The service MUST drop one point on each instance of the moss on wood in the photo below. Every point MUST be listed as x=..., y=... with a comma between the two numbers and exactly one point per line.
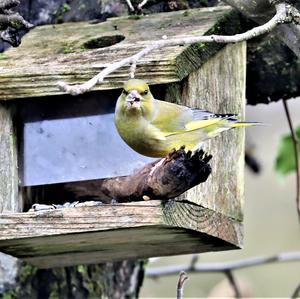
x=73, y=51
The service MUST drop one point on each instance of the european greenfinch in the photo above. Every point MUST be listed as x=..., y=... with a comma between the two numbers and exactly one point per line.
x=154, y=128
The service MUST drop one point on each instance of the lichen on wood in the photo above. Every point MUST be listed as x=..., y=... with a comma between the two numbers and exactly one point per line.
x=49, y=54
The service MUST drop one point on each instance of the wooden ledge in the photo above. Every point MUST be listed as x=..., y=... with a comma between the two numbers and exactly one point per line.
x=113, y=232
x=70, y=51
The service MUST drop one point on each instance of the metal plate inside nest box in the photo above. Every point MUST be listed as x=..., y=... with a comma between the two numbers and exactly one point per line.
x=67, y=139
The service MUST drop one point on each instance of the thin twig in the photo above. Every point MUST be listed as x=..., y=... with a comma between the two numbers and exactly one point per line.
x=143, y=3
x=296, y=292
x=296, y=154
x=281, y=16
x=233, y=283
x=130, y=5
x=180, y=284
x=222, y=267
x=194, y=261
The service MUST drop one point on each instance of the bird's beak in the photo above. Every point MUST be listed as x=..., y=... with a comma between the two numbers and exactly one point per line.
x=133, y=99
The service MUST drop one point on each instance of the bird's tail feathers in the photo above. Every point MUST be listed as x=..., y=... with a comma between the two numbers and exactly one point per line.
x=244, y=124
x=225, y=125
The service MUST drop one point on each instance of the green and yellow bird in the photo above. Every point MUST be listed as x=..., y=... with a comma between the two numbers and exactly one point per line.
x=153, y=128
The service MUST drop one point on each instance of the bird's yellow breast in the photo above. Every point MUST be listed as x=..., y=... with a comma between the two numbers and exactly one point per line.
x=141, y=136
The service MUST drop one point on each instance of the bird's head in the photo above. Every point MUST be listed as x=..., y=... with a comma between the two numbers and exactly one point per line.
x=136, y=98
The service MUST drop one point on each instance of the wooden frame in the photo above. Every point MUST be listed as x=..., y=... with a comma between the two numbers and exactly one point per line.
x=206, y=218
x=52, y=53
x=111, y=232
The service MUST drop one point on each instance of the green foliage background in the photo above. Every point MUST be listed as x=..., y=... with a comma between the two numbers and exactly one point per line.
x=285, y=159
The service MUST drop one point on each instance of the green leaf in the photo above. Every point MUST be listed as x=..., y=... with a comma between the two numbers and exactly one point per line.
x=285, y=159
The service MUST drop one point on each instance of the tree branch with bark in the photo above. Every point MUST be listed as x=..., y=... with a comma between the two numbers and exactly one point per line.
x=296, y=155
x=138, y=8
x=178, y=172
x=180, y=284
x=260, y=10
x=11, y=23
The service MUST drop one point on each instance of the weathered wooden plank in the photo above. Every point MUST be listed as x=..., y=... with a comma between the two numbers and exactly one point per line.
x=143, y=242
x=52, y=53
x=105, y=217
x=219, y=86
x=112, y=232
x=9, y=198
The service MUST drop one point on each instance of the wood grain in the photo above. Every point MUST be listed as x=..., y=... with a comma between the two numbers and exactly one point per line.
x=113, y=232
x=9, y=198
x=52, y=53
x=219, y=86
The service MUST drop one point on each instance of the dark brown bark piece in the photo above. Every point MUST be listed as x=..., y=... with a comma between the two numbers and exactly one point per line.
x=177, y=173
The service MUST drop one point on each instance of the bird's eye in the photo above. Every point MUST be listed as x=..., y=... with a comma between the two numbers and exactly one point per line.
x=125, y=92
x=144, y=92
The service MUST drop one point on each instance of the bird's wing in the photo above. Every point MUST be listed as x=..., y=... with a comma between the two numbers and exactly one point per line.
x=172, y=118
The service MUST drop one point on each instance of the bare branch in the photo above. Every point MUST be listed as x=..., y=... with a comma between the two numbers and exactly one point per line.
x=296, y=292
x=259, y=10
x=180, y=284
x=194, y=261
x=233, y=283
x=282, y=16
x=296, y=155
x=143, y=3
x=139, y=7
x=222, y=267
x=130, y=5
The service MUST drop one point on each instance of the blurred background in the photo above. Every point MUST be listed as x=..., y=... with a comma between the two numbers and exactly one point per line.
x=271, y=223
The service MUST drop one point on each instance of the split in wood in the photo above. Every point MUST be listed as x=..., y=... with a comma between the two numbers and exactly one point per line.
x=162, y=179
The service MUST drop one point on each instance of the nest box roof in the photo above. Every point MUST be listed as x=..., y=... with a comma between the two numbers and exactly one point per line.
x=75, y=52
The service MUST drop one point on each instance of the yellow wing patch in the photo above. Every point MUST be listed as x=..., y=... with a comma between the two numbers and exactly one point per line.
x=202, y=124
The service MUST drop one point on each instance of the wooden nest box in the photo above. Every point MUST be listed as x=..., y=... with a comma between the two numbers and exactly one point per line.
x=51, y=143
